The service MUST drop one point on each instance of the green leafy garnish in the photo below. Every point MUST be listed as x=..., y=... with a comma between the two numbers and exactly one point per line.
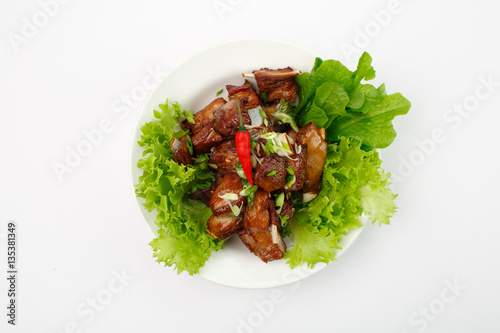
x=333, y=97
x=219, y=92
x=353, y=183
x=164, y=185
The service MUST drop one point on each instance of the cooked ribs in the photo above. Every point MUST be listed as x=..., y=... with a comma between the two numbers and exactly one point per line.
x=231, y=184
x=314, y=138
x=257, y=221
x=226, y=119
x=224, y=157
x=181, y=151
x=244, y=91
x=277, y=83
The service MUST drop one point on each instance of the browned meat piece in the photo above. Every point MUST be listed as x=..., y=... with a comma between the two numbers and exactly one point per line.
x=223, y=157
x=262, y=244
x=274, y=218
x=311, y=191
x=223, y=226
x=270, y=108
x=270, y=174
x=245, y=90
x=181, y=151
x=231, y=184
x=277, y=83
x=257, y=215
x=261, y=224
x=204, y=117
x=227, y=120
x=314, y=138
x=291, y=133
x=298, y=162
x=202, y=195
x=287, y=210
x=205, y=139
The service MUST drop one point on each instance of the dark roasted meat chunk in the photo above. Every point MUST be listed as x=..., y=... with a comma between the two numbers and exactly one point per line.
x=314, y=138
x=227, y=120
x=277, y=83
x=181, y=151
x=231, y=185
x=203, y=195
x=287, y=210
x=271, y=173
x=204, y=117
x=266, y=244
x=257, y=215
x=205, y=139
x=223, y=157
x=274, y=218
x=245, y=90
x=298, y=162
x=223, y=226
x=260, y=228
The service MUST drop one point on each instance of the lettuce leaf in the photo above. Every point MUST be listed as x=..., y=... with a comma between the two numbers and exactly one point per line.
x=353, y=183
x=374, y=127
x=334, y=98
x=164, y=185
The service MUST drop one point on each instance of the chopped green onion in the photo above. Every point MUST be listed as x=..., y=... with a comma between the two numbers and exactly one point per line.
x=280, y=200
x=189, y=144
x=253, y=143
x=266, y=150
x=264, y=97
x=270, y=146
x=290, y=180
x=229, y=196
x=286, y=119
x=272, y=173
x=269, y=135
x=290, y=170
x=236, y=210
x=247, y=191
x=284, y=220
x=219, y=92
x=239, y=171
x=262, y=113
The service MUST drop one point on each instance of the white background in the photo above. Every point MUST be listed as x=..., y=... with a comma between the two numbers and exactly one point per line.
x=77, y=232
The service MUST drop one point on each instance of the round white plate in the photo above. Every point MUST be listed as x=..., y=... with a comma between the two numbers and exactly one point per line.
x=194, y=84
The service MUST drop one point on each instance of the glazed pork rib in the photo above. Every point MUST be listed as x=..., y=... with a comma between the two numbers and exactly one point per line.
x=242, y=92
x=226, y=119
x=277, y=83
x=204, y=117
x=260, y=228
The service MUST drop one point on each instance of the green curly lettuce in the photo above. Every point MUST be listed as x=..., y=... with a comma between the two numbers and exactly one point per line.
x=165, y=185
x=353, y=183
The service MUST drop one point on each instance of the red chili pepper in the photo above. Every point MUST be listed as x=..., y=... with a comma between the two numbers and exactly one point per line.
x=243, y=147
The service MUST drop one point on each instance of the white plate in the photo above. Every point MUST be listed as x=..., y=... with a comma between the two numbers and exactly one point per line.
x=194, y=84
